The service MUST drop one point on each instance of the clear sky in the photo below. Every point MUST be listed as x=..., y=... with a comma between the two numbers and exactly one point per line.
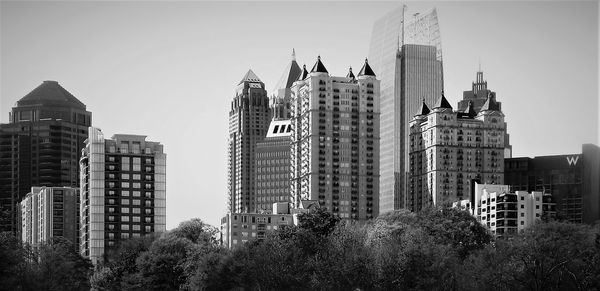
x=169, y=70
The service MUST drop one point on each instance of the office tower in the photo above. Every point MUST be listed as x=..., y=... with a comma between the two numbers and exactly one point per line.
x=477, y=97
x=335, y=141
x=248, y=123
x=40, y=146
x=571, y=179
x=505, y=212
x=450, y=148
x=409, y=63
x=123, y=191
x=280, y=99
x=273, y=166
x=48, y=212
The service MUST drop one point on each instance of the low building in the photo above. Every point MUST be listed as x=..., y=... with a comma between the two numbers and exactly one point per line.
x=572, y=179
x=239, y=228
x=505, y=212
x=48, y=212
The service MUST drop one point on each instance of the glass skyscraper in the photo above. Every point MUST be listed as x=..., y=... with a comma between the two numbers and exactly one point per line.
x=408, y=61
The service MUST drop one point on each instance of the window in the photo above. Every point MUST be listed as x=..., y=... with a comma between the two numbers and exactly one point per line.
x=136, y=227
x=124, y=184
x=522, y=222
x=148, y=228
x=125, y=176
x=124, y=147
x=136, y=194
x=124, y=210
x=124, y=235
x=135, y=219
x=124, y=226
x=137, y=210
x=125, y=201
x=125, y=193
x=137, y=176
x=136, y=202
x=124, y=218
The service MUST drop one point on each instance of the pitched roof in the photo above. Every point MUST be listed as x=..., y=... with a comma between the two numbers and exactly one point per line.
x=490, y=104
x=318, y=67
x=304, y=73
x=424, y=110
x=250, y=77
x=470, y=110
x=442, y=103
x=366, y=70
x=290, y=74
x=50, y=92
x=350, y=74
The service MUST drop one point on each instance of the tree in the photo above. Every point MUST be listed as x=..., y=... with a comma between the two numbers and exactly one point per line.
x=61, y=267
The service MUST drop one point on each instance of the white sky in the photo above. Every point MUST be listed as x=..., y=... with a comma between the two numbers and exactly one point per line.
x=169, y=70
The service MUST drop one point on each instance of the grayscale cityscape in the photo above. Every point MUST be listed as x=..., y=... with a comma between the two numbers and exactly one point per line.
x=319, y=145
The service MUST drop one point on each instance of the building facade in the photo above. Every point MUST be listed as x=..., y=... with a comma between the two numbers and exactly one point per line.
x=335, y=141
x=571, y=179
x=239, y=228
x=273, y=166
x=40, y=146
x=48, y=212
x=249, y=119
x=507, y=213
x=409, y=63
x=477, y=97
x=449, y=149
x=123, y=191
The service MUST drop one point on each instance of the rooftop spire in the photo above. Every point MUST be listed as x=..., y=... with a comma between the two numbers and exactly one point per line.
x=350, y=74
x=250, y=77
x=470, y=110
x=304, y=73
x=366, y=70
x=442, y=102
x=293, y=54
x=318, y=67
x=490, y=103
x=424, y=110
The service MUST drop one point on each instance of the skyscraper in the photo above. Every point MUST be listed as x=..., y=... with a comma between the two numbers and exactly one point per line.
x=123, y=191
x=335, y=141
x=449, y=149
x=248, y=123
x=40, y=146
x=409, y=62
x=48, y=212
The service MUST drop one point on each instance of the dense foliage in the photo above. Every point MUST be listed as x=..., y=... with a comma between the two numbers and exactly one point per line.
x=436, y=249
x=53, y=265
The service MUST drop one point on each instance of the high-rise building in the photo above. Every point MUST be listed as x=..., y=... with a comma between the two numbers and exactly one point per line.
x=409, y=63
x=123, y=191
x=48, y=212
x=477, y=97
x=40, y=146
x=273, y=166
x=249, y=119
x=280, y=99
x=335, y=141
x=450, y=148
x=571, y=179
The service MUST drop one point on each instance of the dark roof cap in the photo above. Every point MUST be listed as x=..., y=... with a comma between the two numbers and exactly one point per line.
x=366, y=70
x=350, y=74
x=442, y=102
x=318, y=67
x=50, y=92
x=304, y=73
x=424, y=110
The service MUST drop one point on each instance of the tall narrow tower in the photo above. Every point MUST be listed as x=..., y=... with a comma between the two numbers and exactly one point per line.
x=335, y=141
x=407, y=55
x=248, y=123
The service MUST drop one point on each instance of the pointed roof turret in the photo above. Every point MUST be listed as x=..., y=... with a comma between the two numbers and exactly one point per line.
x=490, y=104
x=366, y=70
x=50, y=93
x=319, y=67
x=290, y=74
x=350, y=74
x=442, y=102
x=304, y=73
x=250, y=77
x=470, y=110
x=424, y=109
